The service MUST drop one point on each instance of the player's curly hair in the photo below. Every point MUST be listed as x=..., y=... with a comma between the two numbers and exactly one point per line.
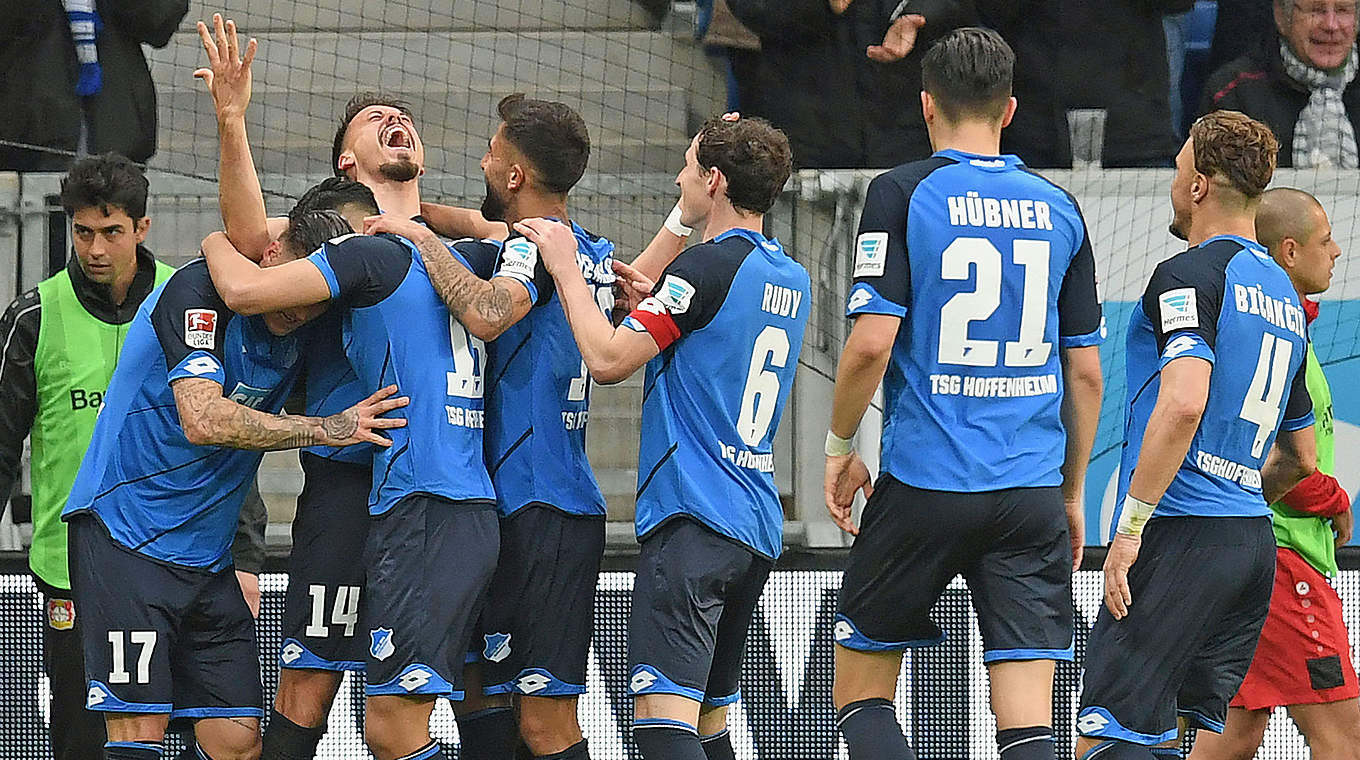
x=352, y=108
x=753, y=155
x=1235, y=149
x=551, y=135
x=105, y=180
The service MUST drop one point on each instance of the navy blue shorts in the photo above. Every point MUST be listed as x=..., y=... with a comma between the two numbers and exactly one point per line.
x=540, y=611
x=324, y=625
x=160, y=638
x=693, y=599
x=1201, y=589
x=1011, y=547
x=429, y=562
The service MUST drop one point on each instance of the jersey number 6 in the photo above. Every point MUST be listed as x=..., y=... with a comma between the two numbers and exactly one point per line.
x=762, y=385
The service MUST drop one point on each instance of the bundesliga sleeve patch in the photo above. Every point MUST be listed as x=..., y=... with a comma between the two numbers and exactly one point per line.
x=871, y=254
x=675, y=294
x=1178, y=309
x=518, y=259
x=200, y=329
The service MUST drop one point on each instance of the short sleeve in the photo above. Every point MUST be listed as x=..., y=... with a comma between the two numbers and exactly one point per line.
x=690, y=292
x=362, y=269
x=1298, y=412
x=479, y=256
x=1184, y=296
x=882, y=274
x=1080, y=321
x=190, y=321
x=519, y=260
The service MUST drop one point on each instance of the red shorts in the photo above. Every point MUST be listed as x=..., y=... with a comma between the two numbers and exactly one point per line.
x=1304, y=654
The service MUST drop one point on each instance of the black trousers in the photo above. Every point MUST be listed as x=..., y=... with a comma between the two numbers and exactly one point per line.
x=76, y=733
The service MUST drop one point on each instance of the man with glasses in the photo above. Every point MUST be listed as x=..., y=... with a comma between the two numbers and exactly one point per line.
x=1301, y=83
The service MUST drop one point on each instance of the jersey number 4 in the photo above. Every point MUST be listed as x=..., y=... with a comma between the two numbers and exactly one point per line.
x=1266, y=392
x=968, y=253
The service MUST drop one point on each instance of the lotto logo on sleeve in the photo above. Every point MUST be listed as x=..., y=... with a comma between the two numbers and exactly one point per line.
x=200, y=328
x=1178, y=309
x=675, y=293
x=519, y=258
x=871, y=250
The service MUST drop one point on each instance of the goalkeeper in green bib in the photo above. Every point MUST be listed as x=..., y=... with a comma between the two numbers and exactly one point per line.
x=1303, y=661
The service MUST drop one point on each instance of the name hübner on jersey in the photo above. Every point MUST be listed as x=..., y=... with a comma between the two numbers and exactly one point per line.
x=1248, y=477
x=1251, y=300
x=993, y=387
x=972, y=210
x=744, y=458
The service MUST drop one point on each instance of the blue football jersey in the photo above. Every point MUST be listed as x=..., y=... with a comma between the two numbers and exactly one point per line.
x=398, y=332
x=330, y=384
x=728, y=315
x=990, y=268
x=539, y=390
x=155, y=492
x=1226, y=291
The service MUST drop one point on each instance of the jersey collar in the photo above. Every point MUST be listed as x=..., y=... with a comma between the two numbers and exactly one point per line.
x=757, y=239
x=1244, y=242
x=993, y=163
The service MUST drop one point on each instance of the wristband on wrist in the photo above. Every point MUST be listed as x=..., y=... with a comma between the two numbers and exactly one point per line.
x=673, y=224
x=837, y=446
x=1134, y=516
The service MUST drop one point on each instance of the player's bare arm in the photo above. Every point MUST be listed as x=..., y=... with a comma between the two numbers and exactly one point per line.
x=1170, y=430
x=611, y=354
x=1083, y=386
x=1291, y=459
x=228, y=79
x=863, y=362
x=249, y=289
x=456, y=222
x=210, y=419
x=486, y=308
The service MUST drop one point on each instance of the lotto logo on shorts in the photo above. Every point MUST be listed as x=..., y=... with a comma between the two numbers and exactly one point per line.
x=200, y=328
x=641, y=681
x=497, y=646
x=1091, y=723
x=414, y=679
x=842, y=630
x=61, y=614
x=95, y=696
x=532, y=683
x=382, y=646
x=290, y=653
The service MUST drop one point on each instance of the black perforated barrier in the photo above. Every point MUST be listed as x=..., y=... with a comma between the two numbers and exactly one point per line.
x=785, y=712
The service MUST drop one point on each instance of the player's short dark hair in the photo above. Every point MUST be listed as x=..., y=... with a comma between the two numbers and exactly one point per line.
x=310, y=230
x=333, y=194
x=105, y=180
x=551, y=135
x=968, y=72
x=1235, y=148
x=352, y=108
x=753, y=155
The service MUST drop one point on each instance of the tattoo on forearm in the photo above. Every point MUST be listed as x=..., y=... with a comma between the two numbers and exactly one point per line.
x=227, y=423
x=461, y=290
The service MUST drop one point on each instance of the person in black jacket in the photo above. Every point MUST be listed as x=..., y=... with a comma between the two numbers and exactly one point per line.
x=1301, y=82
x=38, y=91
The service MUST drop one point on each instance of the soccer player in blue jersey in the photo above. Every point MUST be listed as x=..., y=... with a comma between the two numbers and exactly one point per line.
x=1190, y=568
x=720, y=338
x=153, y=510
x=535, y=637
x=975, y=292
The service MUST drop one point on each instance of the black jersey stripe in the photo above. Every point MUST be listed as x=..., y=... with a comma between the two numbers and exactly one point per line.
x=655, y=468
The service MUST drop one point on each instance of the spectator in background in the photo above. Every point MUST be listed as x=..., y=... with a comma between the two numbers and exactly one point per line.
x=1301, y=82
x=1069, y=54
x=75, y=79
x=1240, y=25
x=813, y=79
